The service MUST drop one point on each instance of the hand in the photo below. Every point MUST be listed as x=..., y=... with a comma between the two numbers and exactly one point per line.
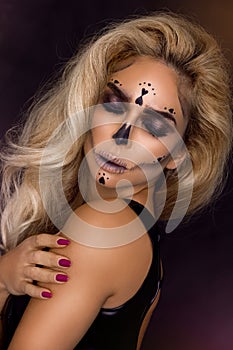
x=18, y=267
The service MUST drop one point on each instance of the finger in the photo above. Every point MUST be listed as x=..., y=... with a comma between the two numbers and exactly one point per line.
x=44, y=275
x=50, y=241
x=49, y=259
x=37, y=292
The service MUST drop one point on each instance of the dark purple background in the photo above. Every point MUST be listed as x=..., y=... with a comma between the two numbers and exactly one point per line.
x=195, y=311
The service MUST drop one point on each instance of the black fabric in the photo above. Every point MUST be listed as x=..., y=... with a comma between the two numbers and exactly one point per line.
x=114, y=328
x=11, y=315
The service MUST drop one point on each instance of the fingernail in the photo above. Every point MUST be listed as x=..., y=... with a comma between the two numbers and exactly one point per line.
x=46, y=295
x=64, y=262
x=62, y=241
x=61, y=278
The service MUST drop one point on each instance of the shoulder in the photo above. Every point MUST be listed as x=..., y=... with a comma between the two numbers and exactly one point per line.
x=102, y=236
x=105, y=247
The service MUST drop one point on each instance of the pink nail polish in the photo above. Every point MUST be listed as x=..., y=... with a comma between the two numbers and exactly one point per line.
x=46, y=295
x=61, y=278
x=62, y=241
x=64, y=262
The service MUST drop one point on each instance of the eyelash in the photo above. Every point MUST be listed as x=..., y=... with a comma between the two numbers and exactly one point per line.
x=114, y=107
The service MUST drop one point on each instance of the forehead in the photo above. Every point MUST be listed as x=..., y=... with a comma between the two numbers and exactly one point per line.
x=150, y=82
x=150, y=74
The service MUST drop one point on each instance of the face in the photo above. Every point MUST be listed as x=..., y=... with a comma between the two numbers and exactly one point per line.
x=134, y=124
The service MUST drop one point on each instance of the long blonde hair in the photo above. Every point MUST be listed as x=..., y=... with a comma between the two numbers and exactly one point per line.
x=204, y=86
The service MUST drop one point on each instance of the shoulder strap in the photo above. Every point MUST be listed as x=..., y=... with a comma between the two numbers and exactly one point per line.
x=146, y=217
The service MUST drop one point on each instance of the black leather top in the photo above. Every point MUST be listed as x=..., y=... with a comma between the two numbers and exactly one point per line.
x=114, y=328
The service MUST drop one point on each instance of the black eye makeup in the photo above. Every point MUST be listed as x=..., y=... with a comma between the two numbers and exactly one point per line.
x=112, y=104
x=154, y=122
x=113, y=99
x=158, y=123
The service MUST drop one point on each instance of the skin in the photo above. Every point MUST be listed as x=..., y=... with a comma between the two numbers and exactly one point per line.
x=18, y=268
x=106, y=123
x=110, y=272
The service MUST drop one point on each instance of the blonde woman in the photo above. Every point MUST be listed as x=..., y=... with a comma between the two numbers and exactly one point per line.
x=138, y=127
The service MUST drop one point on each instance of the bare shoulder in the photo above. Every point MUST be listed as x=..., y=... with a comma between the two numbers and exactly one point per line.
x=103, y=236
x=104, y=250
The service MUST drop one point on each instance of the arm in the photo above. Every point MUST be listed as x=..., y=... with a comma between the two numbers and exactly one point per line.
x=18, y=268
x=97, y=275
x=60, y=322
x=3, y=294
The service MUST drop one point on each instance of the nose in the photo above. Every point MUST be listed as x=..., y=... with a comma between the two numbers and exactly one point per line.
x=122, y=135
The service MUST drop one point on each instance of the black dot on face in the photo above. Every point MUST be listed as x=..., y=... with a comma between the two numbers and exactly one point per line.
x=165, y=108
x=149, y=84
x=116, y=81
x=107, y=178
x=144, y=82
x=154, y=93
x=152, y=89
x=102, y=180
x=140, y=84
x=103, y=174
x=171, y=110
x=99, y=173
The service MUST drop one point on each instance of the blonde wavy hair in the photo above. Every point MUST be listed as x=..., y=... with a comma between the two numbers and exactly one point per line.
x=204, y=86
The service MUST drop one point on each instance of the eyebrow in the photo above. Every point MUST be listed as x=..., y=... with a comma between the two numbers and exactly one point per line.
x=118, y=92
x=166, y=115
x=148, y=110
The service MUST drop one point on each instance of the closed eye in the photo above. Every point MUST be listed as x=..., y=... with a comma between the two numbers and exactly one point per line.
x=157, y=127
x=113, y=104
x=114, y=107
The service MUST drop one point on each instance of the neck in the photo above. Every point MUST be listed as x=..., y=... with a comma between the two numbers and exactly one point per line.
x=143, y=195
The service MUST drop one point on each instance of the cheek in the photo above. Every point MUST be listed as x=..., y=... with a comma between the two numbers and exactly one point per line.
x=152, y=144
x=102, y=133
x=158, y=148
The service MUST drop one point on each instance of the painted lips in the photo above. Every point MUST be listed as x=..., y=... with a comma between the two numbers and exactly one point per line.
x=110, y=163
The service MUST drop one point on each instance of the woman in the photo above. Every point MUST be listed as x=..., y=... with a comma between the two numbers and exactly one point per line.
x=159, y=87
